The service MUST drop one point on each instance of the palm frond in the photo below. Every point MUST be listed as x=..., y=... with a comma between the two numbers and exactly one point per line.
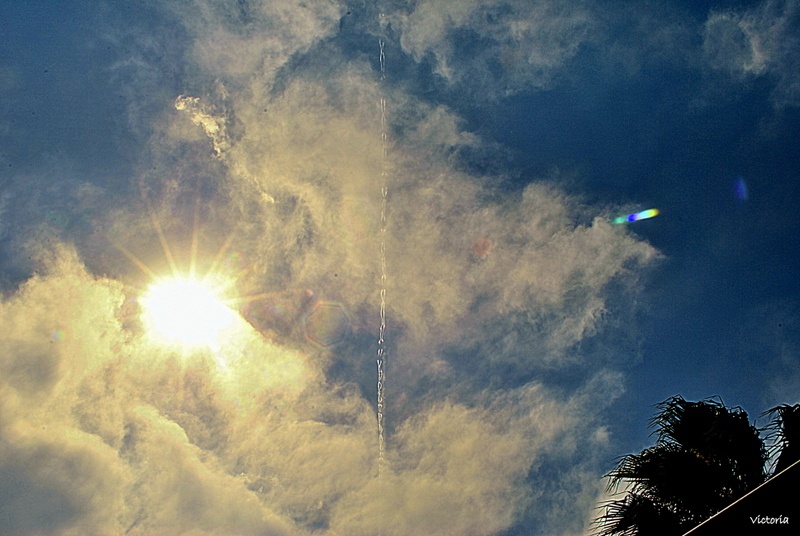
x=706, y=456
x=783, y=435
x=637, y=515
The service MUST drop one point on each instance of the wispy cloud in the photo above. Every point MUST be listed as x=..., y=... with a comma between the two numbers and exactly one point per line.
x=515, y=46
x=759, y=41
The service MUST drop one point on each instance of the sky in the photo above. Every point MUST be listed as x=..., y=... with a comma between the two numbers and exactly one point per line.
x=426, y=184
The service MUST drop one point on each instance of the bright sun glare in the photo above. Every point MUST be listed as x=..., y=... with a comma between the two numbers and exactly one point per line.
x=186, y=311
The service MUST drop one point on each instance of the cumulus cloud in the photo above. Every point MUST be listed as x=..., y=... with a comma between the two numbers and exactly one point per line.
x=276, y=178
x=107, y=432
x=760, y=41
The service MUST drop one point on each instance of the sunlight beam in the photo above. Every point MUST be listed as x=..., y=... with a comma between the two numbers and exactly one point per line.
x=163, y=240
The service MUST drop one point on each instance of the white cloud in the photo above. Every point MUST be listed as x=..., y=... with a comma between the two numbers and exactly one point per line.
x=517, y=45
x=236, y=40
x=112, y=433
x=760, y=41
x=269, y=436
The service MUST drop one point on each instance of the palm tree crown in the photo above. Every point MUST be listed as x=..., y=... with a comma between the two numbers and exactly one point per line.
x=706, y=456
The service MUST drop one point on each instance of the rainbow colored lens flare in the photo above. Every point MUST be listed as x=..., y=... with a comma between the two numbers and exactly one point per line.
x=636, y=216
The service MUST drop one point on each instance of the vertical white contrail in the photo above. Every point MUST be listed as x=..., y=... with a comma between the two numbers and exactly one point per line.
x=382, y=327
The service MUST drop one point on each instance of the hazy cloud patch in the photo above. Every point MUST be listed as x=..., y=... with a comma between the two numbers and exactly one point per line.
x=760, y=41
x=520, y=45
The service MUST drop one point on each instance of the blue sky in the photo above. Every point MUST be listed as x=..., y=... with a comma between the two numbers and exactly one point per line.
x=527, y=338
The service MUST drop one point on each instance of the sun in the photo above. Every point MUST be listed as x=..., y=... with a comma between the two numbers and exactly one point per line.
x=181, y=308
x=186, y=311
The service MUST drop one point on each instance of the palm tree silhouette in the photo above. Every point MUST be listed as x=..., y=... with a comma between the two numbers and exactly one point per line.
x=784, y=434
x=705, y=457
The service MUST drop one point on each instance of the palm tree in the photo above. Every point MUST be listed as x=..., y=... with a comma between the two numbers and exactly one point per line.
x=706, y=456
x=784, y=434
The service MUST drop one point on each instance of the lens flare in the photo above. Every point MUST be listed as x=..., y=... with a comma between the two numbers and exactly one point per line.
x=636, y=216
x=327, y=324
x=740, y=189
x=186, y=312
